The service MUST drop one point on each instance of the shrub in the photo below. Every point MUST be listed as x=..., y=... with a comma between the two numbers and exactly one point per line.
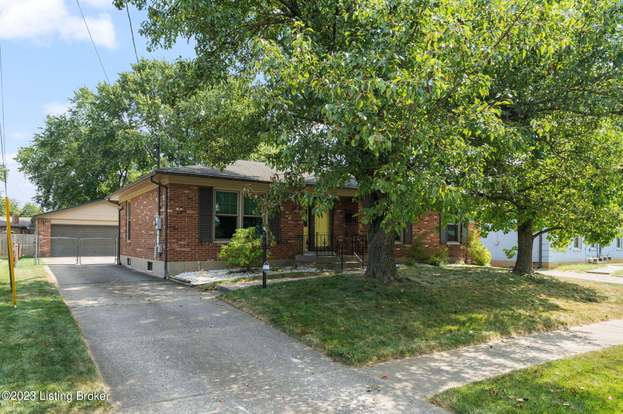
x=477, y=251
x=244, y=249
x=420, y=253
x=440, y=257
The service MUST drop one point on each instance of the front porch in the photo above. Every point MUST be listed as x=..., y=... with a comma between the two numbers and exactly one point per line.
x=323, y=250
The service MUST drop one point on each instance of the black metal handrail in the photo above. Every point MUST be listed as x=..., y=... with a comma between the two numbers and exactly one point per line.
x=323, y=244
x=360, y=248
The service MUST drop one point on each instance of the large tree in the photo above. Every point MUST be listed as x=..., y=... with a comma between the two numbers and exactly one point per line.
x=110, y=136
x=554, y=161
x=375, y=90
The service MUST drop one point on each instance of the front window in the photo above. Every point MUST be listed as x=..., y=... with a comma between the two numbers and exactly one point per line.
x=252, y=216
x=226, y=214
x=577, y=243
x=619, y=243
x=452, y=232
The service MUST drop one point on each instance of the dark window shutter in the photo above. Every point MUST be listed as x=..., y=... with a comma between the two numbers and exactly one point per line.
x=206, y=216
x=464, y=232
x=409, y=234
x=443, y=230
x=274, y=225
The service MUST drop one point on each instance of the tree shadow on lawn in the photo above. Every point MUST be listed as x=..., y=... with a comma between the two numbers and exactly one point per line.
x=359, y=321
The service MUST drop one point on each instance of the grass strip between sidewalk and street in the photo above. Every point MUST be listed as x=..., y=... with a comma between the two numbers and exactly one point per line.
x=41, y=348
x=589, y=383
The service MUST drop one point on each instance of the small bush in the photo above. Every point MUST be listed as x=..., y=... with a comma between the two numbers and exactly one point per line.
x=440, y=257
x=420, y=253
x=477, y=251
x=243, y=250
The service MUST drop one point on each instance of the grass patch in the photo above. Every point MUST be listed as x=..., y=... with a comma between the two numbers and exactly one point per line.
x=41, y=348
x=271, y=277
x=590, y=383
x=359, y=321
x=579, y=267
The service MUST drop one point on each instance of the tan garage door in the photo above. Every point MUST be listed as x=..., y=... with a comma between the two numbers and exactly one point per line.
x=79, y=240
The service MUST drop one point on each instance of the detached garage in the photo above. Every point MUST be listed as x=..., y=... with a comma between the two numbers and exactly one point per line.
x=87, y=230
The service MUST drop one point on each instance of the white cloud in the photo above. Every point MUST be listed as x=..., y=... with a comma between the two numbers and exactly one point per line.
x=44, y=19
x=101, y=27
x=19, y=187
x=55, y=108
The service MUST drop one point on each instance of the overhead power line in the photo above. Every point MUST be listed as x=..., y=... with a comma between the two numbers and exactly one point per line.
x=127, y=10
x=99, y=58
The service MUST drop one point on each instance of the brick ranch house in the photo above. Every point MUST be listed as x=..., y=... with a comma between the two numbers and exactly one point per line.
x=176, y=219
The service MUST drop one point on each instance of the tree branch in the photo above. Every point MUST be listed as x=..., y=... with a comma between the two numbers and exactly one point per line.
x=545, y=230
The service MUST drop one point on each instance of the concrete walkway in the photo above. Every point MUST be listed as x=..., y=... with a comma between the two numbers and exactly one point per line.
x=167, y=348
x=427, y=375
x=593, y=277
x=607, y=269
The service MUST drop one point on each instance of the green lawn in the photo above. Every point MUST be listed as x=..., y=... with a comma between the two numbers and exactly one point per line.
x=41, y=348
x=579, y=267
x=359, y=321
x=591, y=383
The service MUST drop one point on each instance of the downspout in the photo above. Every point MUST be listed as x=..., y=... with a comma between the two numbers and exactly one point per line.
x=541, y=251
x=166, y=233
x=158, y=223
x=119, y=208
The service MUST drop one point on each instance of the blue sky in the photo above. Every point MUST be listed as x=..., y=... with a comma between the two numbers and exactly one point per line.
x=47, y=55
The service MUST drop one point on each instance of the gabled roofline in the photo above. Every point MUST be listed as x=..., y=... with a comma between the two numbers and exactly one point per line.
x=34, y=216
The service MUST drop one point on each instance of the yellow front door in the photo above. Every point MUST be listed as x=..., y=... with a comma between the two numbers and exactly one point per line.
x=322, y=230
x=320, y=234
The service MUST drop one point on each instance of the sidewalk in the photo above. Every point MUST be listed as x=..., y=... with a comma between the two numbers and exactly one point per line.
x=593, y=277
x=427, y=375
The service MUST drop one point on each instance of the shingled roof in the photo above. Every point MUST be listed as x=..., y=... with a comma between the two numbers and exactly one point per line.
x=239, y=170
x=242, y=170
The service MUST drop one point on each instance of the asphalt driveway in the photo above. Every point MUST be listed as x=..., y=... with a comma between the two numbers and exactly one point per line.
x=164, y=347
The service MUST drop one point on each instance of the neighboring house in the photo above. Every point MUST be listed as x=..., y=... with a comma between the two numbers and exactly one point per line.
x=19, y=225
x=89, y=229
x=176, y=219
x=545, y=255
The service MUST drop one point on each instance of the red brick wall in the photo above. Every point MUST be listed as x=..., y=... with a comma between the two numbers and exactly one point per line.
x=183, y=227
x=44, y=230
x=341, y=229
x=142, y=232
x=291, y=223
x=427, y=229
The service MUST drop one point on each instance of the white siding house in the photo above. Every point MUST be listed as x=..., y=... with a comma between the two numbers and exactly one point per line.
x=547, y=255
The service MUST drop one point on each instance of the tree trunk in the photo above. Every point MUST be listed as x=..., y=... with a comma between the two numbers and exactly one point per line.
x=381, y=261
x=523, y=264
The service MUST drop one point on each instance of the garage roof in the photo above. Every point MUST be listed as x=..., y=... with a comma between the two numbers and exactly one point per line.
x=98, y=210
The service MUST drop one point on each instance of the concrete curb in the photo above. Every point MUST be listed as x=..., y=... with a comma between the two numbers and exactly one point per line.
x=50, y=276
